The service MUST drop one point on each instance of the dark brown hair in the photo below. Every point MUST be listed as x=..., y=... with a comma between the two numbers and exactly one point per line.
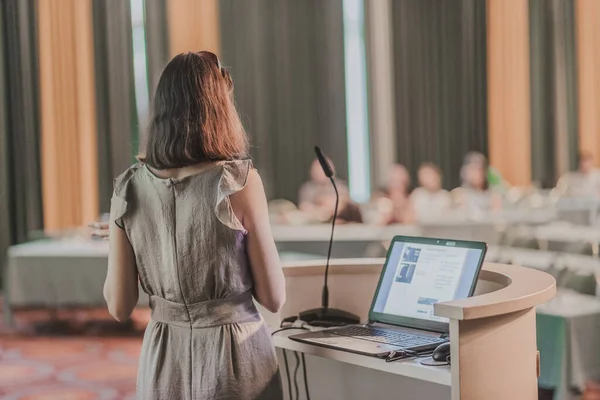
x=193, y=116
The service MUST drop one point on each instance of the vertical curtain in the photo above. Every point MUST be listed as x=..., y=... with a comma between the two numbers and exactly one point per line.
x=380, y=73
x=288, y=69
x=6, y=231
x=553, y=89
x=20, y=182
x=509, y=89
x=440, y=82
x=115, y=93
x=68, y=114
x=157, y=40
x=588, y=73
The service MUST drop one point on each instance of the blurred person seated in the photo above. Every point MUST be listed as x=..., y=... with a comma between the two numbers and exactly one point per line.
x=429, y=199
x=592, y=391
x=393, y=202
x=475, y=192
x=283, y=212
x=317, y=198
x=583, y=183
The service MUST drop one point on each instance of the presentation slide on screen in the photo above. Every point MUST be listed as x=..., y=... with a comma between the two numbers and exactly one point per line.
x=424, y=275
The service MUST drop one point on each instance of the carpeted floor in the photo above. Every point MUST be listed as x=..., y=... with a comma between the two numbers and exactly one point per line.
x=68, y=368
x=90, y=358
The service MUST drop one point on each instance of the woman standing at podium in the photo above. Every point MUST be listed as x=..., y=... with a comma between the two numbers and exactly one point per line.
x=190, y=222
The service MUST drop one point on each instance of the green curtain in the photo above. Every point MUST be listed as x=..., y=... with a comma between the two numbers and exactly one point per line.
x=115, y=93
x=20, y=176
x=552, y=40
x=441, y=82
x=287, y=61
x=157, y=40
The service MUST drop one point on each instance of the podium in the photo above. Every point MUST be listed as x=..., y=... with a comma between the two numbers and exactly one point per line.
x=492, y=335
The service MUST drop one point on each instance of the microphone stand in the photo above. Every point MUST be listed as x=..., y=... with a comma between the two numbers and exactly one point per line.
x=325, y=316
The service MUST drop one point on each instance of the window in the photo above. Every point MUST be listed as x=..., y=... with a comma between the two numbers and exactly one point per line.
x=140, y=71
x=356, y=101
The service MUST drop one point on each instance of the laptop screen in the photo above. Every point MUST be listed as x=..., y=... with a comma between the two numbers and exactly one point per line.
x=421, y=272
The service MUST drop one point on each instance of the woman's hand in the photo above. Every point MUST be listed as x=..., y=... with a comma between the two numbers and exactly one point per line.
x=101, y=230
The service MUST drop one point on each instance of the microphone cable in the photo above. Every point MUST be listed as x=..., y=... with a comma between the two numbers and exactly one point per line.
x=285, y=360
x=305, y=377
x=296, y=389
x=287, y=374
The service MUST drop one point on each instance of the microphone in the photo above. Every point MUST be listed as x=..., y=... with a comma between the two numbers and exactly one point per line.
x=324, y=164
x=326, y=316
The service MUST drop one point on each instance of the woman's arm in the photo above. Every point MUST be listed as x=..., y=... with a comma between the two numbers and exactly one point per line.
x=250, y=206
x=121, y=285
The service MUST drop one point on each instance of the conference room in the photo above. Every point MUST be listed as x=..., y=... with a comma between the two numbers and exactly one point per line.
x=340, y=199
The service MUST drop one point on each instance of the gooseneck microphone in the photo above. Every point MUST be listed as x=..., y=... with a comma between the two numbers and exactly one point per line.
x=325, y=165
x=326, y=316
x=328, y=173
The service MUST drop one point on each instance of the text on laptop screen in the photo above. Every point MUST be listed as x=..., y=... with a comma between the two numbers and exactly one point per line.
x=419, y=275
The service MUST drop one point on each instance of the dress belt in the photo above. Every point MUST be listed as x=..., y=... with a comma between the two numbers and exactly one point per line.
x=205, y=314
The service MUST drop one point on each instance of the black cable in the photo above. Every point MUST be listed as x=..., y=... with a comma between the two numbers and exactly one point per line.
x=297, y=390
x=285, y=360
x=287, y=374
x=287, y=328
x=305, y=377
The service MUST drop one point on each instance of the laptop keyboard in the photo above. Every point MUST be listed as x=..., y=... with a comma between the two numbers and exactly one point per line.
x=388, y=336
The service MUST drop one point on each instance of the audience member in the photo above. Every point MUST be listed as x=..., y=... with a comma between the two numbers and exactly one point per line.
x=585, y=182
x=474, y=192
x=429, y=199
x=317, y=197
x=393, y=201
x=592, y=391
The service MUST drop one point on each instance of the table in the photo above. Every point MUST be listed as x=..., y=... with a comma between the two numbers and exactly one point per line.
x=567, y=233
x=569, y=343
x=578, y=211
x=56, y=273
x=363, y=240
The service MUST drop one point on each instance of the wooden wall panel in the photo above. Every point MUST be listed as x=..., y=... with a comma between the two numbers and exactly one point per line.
x=509, y=90
x=193, y=26
x=588, y=63
x=68, y=126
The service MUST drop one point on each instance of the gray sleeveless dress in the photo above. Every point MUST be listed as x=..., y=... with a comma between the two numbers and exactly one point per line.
x=206, y=339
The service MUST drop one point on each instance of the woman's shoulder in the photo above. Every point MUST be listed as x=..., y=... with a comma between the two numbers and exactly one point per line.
x=235, y=175
x=121, y=182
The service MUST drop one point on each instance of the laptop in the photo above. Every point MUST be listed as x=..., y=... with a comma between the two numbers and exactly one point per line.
x=418, y=272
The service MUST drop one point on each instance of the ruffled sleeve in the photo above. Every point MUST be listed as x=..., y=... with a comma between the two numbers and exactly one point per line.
x=118, y=203
x=234, y=177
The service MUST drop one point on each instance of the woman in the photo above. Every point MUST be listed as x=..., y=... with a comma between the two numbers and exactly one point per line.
x=430, y=200
x=393, y=202
x=583, y=183
x=190, y=221
x=474, y=192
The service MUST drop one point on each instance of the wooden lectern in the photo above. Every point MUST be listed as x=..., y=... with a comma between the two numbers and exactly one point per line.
x=492, y=334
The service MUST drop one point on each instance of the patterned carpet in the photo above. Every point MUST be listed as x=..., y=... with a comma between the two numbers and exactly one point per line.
x=68, y=368
x=89, y=360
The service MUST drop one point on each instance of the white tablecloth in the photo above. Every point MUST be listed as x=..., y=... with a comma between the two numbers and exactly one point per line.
x=575, y=351
x=56, y=273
